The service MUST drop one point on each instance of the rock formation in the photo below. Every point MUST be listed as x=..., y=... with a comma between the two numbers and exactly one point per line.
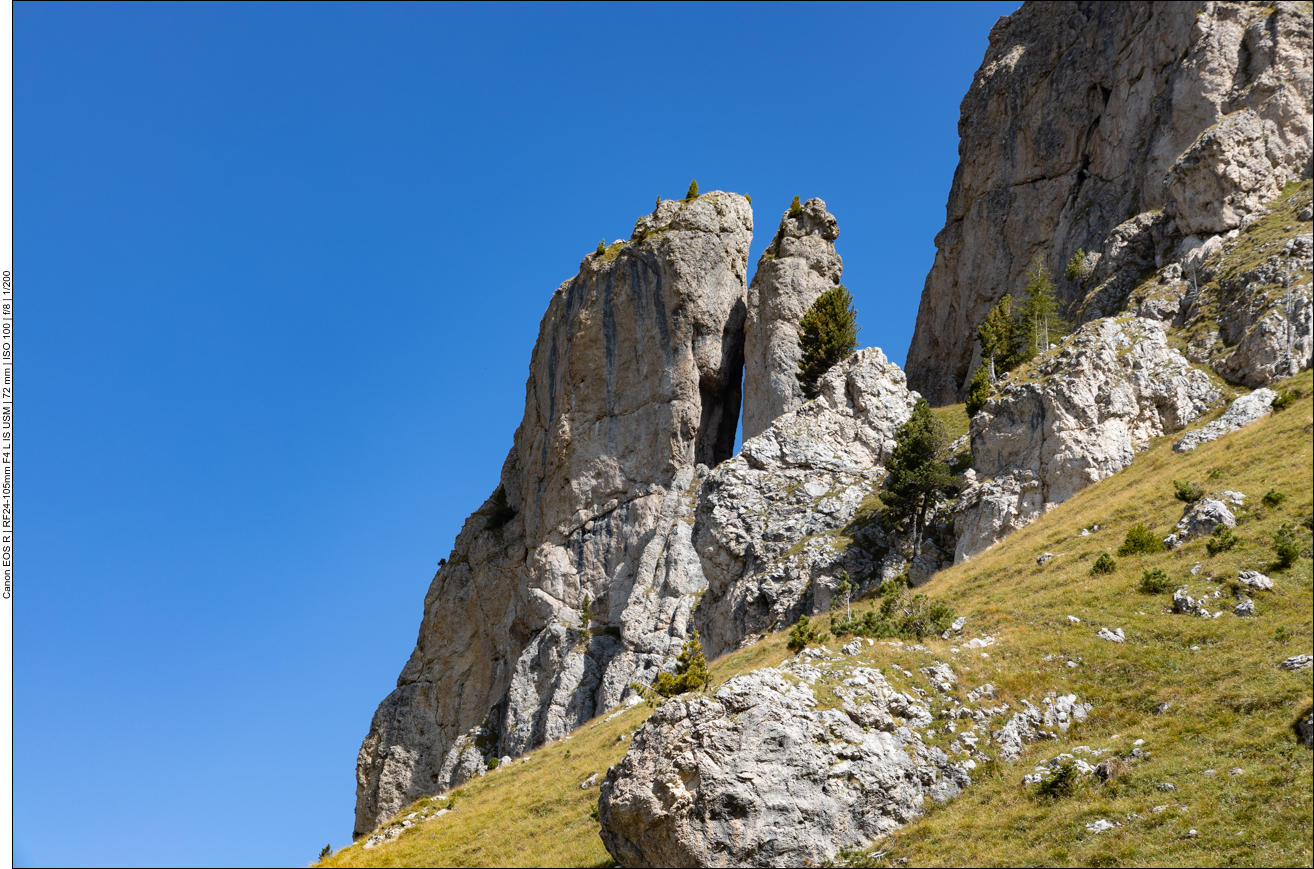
x=1245, y=410
x=775, y=525
x=634, y=383
x=798, y=266
x=1074, y=417
x=1134, y=131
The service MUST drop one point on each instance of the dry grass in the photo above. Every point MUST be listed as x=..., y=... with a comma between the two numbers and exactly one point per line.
x=1230, y=707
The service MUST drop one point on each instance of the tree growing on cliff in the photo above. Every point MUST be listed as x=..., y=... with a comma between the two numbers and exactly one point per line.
x=693, y=192
x=691, y=674
x=1040, y=319
x=978, y=391
x=827, y=334
x=795, y=208
x=918, y=472
x=998, y=335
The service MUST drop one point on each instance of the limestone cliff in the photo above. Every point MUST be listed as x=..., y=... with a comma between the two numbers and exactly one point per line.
x=634, y=382
x=798, y=266
x=1109, y=127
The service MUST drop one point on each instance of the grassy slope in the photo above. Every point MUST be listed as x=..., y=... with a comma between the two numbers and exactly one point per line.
x=1230, y=706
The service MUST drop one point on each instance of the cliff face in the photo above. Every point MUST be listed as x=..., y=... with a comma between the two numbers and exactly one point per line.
x=634, y=382
x=1087, y=116
x=798, y=266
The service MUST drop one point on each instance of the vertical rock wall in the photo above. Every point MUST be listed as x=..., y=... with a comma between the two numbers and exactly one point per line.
x=634, y=383
x=798, y=266
x=1084, y=116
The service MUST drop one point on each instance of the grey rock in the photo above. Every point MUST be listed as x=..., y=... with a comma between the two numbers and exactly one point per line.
x=1077, y=418
x=1245, y=608
x=798, y=266
x=1200, y=520
x=1304, y=728
x=1116, y=636
x=756, y=776
x=1033, y=722
x=1255, y=580
x=1297, y=662
x=1185, y=604
x=1244, y=410
x=633, y=384
x=1084, y=117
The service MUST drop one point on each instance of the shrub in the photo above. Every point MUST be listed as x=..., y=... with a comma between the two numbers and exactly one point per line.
x=586, y=614
x=602, y=248
x=804, y=634
x=900, y=616
x=1188, y=492
x=795, y=208
x=827, y=334
x=693, y=192
x=1273, y=498
x=501, y=513
x=1284, y=545
x=1283, y=401
x=1063, y=782
x=1154, y=582
x=1140, y=541
x=1223, y=539
x=493, y=762
x=749, y=198
x=325, y=852
x=691, y=674
x=978, y=391
x=1076, y=268
x=1104, y=564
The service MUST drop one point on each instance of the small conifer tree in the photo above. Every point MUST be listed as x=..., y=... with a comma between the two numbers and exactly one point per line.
x=586, y=614
x=602, y=248
x=1040, y=320
x=827, y=334
x=845, y=589
x=795, y=208
x=918, y=472
x=691, y=674
x=998, y=337
x=978, y=391
x=693, y=192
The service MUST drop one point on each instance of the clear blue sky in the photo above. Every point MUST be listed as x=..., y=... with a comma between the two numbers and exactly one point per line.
x=278, y=273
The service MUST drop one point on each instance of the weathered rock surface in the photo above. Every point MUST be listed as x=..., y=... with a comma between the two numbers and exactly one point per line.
x=634, y=383
x=770, y=526
x=1244, y=410
x=798, y=266
x=1074, y=417
x=1085, y=116
x=759, y=776
x=1200, y=520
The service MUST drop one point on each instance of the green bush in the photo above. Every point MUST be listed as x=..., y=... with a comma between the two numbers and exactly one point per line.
x=493, y=762
x=586, y=614
x=1273, y=498
x=1063, y=782
x=795, y=208
x=978, y=391
x=1076, y=268
x=827, y=334
x=693, y=192
x=900, y=616
x=325, y=852
x=1188, y=492
x=1139, y=541
x=602, y=248
x=749, y=198
x=1284, y=545
x=1222, y=540
x=1154, y=581
x=501, y=513
x=691, y=674
x=1283, y=401
x=803, y=634
x=1104, y=564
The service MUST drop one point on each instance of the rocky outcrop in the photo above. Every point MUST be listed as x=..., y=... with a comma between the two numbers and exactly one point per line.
x=1245, y=410
x=798, y=266
x=1084, y=116
x=775, y=525
x=633, y=384
x=1072, y=418
x=1200, y=520
x=756, y=776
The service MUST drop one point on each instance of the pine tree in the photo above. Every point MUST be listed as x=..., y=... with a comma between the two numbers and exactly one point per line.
x=691, y=674
x=795, y=208
x=978, y=391
x=1039, y=319
x=918, y=473
x=827, y=334
x=998, y=337
x=693, y=191
x=586, y=614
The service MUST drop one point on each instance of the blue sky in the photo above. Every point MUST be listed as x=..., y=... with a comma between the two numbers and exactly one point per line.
x=279, y=269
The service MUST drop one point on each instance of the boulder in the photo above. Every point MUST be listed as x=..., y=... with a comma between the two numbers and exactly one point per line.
x=798, y=266
x=1244, y=410
x=634, y=384
x=1200, y=520
x=1076, y=415
x=1254, y=580
x=757, y=776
